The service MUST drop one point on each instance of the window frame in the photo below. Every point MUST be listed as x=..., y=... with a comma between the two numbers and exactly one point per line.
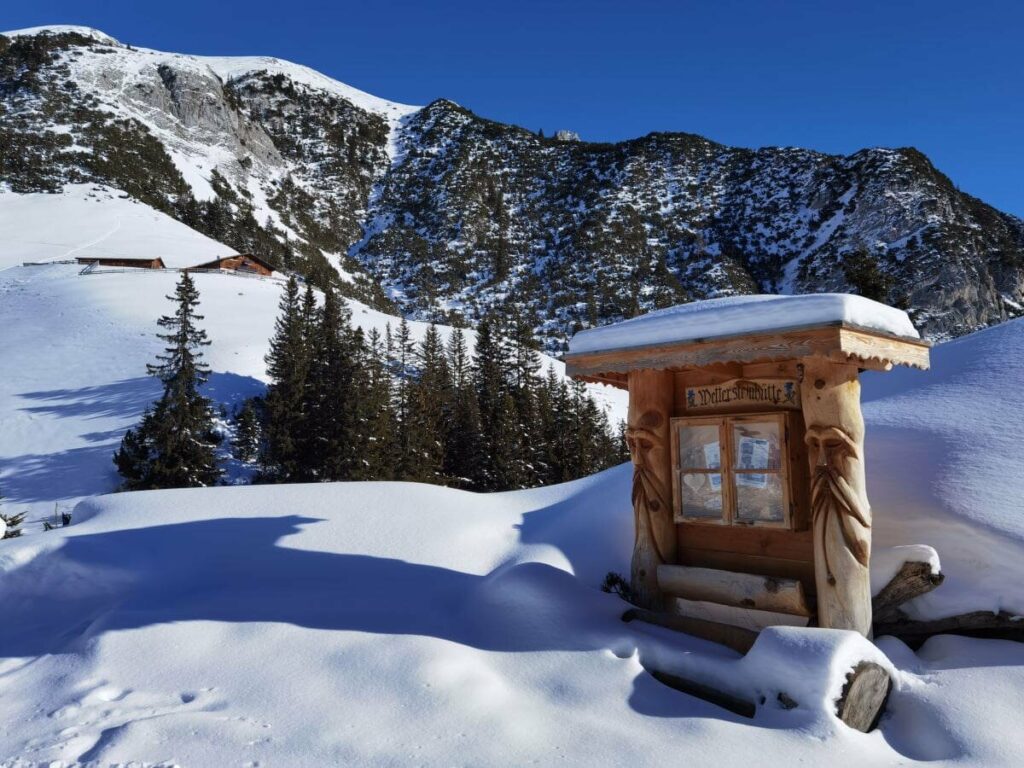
x=725, y=423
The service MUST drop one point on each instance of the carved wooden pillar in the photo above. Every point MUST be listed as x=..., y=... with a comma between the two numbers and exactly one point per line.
x=647, y=434
x=840, y=513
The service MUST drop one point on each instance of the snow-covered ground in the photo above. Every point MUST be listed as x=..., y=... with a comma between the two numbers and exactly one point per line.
x=394, y=624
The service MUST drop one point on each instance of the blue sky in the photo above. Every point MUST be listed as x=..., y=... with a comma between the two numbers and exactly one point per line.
x=946, y=77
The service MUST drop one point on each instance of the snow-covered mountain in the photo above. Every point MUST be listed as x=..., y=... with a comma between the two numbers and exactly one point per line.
x=441, y=214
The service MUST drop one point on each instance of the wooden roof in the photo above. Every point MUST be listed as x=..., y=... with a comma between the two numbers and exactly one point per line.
x=213, y=263
x=839, y=341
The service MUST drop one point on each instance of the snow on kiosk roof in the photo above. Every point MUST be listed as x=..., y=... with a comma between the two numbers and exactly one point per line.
x=747, y=441
x=840, y=326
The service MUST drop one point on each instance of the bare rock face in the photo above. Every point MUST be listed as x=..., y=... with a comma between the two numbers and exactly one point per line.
x=448, y=215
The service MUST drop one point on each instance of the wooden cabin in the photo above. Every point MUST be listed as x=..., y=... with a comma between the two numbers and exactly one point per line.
x=747, y=442
x=121, y=261
x=240, y=262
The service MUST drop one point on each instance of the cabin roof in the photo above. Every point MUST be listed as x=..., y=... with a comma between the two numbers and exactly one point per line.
x=213, y=262
x=101, y=259
x=749, y=329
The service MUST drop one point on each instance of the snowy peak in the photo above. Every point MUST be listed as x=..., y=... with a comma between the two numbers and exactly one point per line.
x=230, y=68
x=63, y=29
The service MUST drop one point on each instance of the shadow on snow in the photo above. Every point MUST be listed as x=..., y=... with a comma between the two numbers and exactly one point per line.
x=236, y=570
x=87, y=470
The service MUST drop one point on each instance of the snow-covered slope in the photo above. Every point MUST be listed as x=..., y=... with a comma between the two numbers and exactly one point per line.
x=90, y=221
x=73, y=352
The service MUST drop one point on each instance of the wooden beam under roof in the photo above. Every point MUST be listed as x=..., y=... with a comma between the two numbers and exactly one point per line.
x=837, y=341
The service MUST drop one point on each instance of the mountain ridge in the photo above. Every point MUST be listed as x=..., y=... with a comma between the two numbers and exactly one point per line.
x=444, y=215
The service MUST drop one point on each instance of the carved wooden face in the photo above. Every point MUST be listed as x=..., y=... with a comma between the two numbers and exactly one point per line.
x=832, y=497
x=641, y=437
x=639, y=442
x=830, y=446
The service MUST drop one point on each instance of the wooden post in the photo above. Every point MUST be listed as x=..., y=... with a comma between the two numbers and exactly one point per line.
x=647, y=434
x=840, y=514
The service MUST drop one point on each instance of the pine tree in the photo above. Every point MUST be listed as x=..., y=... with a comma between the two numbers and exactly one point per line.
x=332, y=396
x=499, y=441
x=401, y=363
x=247, y=432
x=11, y=528
x=430, y=409
x=287, y=366
x=462, y=453
x=175, y=444
x=552, y=396
x=376, y=418
x=525, y=391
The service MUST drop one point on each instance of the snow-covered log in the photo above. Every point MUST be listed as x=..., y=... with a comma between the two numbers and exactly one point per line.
x=1003, y=625
x=837, y=673
x=738, y=638
x=912, y=580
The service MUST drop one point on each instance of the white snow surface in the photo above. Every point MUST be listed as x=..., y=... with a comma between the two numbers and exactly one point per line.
x=86, y=220
x=392, y=623
x=735, y=315
x=230, y=67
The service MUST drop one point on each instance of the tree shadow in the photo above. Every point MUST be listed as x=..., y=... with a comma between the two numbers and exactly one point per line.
x=34, y=477
x=234, y=570
x=237, y=570
x=82, y=471
x=128, y=398
x=125, y=399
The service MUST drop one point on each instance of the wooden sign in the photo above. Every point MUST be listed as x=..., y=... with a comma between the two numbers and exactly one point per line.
x=742, y=393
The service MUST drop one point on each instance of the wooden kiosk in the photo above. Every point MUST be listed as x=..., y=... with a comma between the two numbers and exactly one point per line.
x=747, y=442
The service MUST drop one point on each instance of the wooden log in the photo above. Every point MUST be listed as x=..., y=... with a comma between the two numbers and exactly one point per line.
x=742, y=590
x=647, y=435
x=860, y=705
x=864, y=696
x=737, y=638
x=840, y=513
x=1002, y=625
x=912, y=580
x=734, y=704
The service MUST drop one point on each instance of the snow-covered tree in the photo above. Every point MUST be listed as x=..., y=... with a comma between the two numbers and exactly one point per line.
x=174, y=446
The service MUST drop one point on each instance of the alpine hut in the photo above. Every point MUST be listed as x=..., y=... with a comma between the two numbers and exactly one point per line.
x=240, y=262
